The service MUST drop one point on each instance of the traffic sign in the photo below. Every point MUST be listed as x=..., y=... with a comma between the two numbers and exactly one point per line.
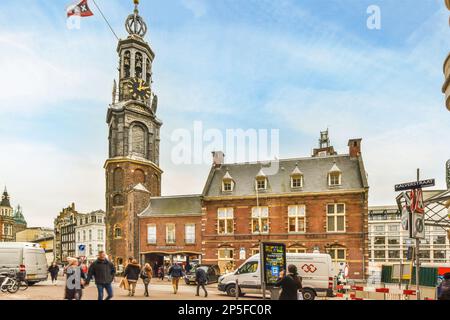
x=415, y=185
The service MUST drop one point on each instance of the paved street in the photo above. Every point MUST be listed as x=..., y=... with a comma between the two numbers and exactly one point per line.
x=159, y=290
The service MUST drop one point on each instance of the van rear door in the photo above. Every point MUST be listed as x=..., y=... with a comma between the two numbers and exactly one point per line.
x=10, y=258
x=31, y=263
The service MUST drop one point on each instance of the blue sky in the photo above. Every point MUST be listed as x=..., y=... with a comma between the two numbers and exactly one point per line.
x=298, y=66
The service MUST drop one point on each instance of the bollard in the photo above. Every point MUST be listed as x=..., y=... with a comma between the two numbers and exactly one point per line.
x=237, y=289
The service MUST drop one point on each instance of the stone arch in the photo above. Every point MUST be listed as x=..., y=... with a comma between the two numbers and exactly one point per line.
x=138, y=67
x=138, y=139
x=139, y=176
x=127, y=64
x=117, y=231
x=118, y=200
x=118, y=179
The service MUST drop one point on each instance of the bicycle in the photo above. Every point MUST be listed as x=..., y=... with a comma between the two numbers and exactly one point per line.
x=9, y=282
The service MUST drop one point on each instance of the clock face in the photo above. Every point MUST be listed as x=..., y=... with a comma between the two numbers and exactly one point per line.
x=139, y=89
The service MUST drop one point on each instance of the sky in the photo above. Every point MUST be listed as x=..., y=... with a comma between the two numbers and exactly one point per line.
x=299, y=66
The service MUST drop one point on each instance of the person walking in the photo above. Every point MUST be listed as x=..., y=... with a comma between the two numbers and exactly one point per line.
x=175, y=272
x=201, y=278
x=131, y=273
x=103, y=272
x=290, y=284
x=75, y=279
x=146, y=276
x=161, y=273
x=53, y=270
x=444, y=288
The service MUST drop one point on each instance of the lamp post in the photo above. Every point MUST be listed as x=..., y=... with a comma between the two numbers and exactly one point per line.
x=446, y=86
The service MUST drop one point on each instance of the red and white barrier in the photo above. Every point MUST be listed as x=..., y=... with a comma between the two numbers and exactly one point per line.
x=352, y=295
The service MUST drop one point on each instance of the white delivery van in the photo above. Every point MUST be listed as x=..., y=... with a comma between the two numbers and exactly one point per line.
x=316, y=270
x=24, y=257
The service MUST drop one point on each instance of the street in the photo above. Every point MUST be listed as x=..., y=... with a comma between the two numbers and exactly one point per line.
x=159, y=290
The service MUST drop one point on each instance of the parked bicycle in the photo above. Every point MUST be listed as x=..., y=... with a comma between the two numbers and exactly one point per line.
x=10, y=282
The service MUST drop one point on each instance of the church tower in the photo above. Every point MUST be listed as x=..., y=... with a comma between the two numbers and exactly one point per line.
x=132, y=169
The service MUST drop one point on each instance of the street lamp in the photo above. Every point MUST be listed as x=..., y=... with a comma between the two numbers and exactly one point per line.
x=446, y=86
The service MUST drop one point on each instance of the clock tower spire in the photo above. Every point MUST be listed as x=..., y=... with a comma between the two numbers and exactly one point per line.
x=132, y=168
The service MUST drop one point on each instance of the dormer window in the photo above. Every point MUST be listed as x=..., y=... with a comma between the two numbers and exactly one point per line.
x=261, y=181
x=296, y=178
x=227, y=183
x=335, y=176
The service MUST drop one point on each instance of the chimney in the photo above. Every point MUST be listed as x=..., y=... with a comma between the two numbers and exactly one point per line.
x=354, y=147
x=218, y=159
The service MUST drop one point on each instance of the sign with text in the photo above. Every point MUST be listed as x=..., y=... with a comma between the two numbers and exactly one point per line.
x=273, y=260
x=415, y=185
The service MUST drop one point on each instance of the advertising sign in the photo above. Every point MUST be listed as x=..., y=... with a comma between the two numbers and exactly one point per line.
x=273, y=260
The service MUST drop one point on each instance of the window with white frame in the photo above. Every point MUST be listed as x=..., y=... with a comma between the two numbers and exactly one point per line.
x=225, y=259
x=297, y=181
x=261, y=183
x=297, y=218
x=260, y=220
x=100, y=235
x=227, y=185
x=225, y=218
x=334, y=179
x=337, y=254
x=336, y=217
x=170, y=233
x=189, y=231
x=151, y=233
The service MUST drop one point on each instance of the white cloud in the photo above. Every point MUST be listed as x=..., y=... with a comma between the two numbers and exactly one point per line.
x=197, y=7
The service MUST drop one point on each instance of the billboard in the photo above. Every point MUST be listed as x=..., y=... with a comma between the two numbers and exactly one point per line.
x=273, y=260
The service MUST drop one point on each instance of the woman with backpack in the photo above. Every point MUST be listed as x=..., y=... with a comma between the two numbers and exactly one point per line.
x=146, y=276
x=290, y=283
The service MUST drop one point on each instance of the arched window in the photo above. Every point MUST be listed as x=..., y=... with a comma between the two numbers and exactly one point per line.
x=139, y=176
x=138, y=140
x=118, y=179
x=126, y=63
x=118, y=200
x=138, y=65
x=117, y=231
x=148, y=69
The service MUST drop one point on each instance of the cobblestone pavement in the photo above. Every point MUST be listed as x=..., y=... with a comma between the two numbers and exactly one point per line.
x=159, y=290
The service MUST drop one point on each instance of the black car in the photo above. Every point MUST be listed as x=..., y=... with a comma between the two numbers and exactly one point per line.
x=212, y=273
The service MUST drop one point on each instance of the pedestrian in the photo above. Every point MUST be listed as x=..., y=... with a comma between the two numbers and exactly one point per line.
x=444, y=288
x=290, y=284
x=201, y=278
x=103, y=272
x=161, y=273
x=146, y=276
x=175, y=272
x=54, y=270
x=131, y=273
x=75, y=279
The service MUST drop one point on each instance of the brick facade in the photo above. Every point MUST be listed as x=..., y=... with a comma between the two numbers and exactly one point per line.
x=353, y=240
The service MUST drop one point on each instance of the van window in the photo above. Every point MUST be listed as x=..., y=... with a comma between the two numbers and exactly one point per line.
x=249, y=267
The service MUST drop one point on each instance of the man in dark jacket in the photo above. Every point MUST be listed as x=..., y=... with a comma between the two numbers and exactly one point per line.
x=176, y=272
x=444, y=288
x=103, y=272
x=201, y=278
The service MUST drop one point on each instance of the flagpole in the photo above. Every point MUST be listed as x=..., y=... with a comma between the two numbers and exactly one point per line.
x=106, y=20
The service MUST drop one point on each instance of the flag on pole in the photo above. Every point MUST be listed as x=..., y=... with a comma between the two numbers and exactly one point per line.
x=79, y=9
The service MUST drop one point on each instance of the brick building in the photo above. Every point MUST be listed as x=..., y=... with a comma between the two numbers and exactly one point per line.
x=64, y=226
x=315, y=203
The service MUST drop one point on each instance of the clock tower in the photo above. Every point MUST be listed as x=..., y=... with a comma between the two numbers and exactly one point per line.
x=132, y=169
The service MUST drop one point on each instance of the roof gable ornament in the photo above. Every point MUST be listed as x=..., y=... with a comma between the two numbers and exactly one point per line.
x=335, y=168
x=134, y=24
x=227, y=176
x=296, y=171
x=261, y=174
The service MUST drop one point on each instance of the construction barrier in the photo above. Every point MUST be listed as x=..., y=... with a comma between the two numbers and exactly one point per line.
x=372, y=293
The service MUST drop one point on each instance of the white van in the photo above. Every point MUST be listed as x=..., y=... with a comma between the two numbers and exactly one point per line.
x=24, y=257
x=316, y=270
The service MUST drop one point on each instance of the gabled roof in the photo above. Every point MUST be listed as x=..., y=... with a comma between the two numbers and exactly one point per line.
x=315, y=172
x=5, y=199
x=171, y=206
x=296, y=171
x=334, y=168
x=140, y=187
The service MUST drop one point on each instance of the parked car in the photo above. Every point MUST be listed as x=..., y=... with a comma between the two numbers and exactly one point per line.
x=24, y=258
x=212, y=272
x=317, y=283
